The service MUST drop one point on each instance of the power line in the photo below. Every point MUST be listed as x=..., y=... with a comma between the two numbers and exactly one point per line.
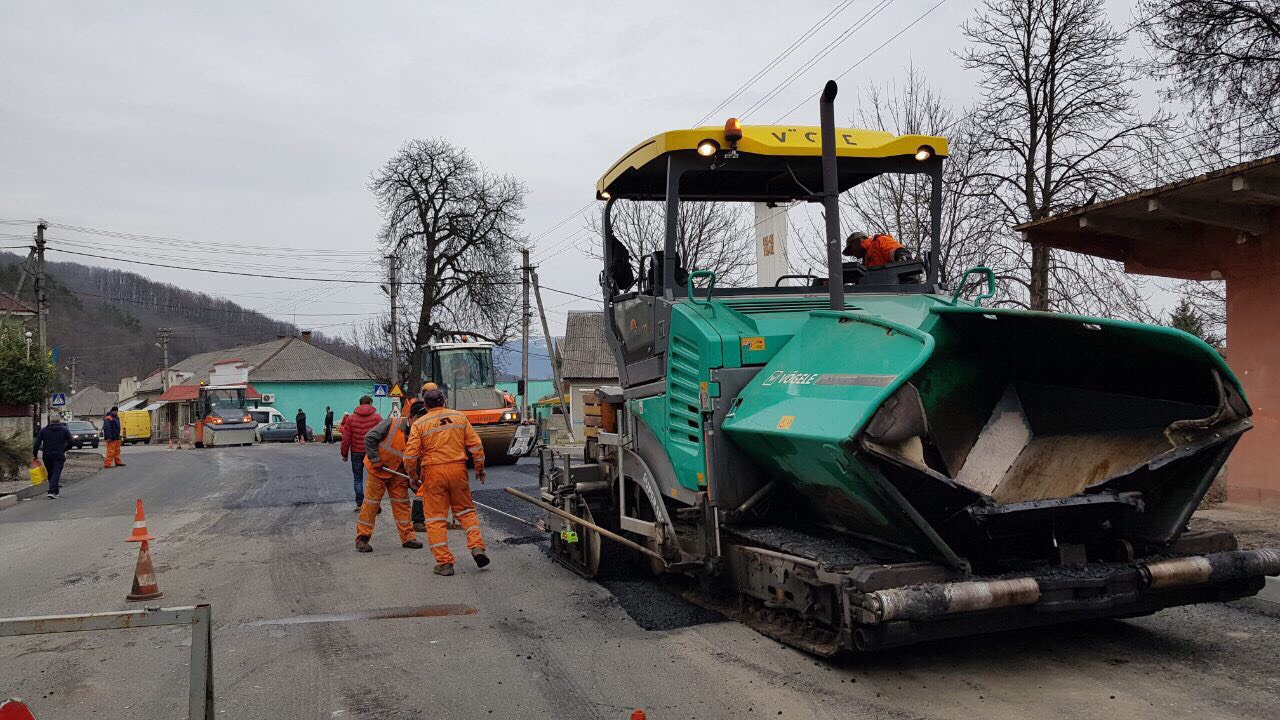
x=822, y=22
x=212, y=270
x=108, y=248
x=187, y=243
x=864, y=58
x=820, y=55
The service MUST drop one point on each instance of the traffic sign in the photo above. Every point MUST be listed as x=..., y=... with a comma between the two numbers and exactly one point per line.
x=58, y=400
x=397, y=392
x=379, y=390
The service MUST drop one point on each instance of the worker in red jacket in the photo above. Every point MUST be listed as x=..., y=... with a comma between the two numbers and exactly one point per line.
x=875, y=250
x=361, y=420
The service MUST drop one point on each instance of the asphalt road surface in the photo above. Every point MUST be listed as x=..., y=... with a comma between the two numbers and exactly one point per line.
x=265, y=534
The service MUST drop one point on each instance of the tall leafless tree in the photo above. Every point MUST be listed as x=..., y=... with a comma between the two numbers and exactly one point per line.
x=711, y=236
x=898, y=204
x=455, y=227
x=1057, y=125
x=1222, y=58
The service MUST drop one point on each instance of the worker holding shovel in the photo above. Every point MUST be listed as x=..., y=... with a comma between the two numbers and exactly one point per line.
x=384, y=447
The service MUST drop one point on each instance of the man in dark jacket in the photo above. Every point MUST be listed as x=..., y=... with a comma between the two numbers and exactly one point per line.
x=111, y=434
x=55, y=439
x=328, y=425
x=301, y=421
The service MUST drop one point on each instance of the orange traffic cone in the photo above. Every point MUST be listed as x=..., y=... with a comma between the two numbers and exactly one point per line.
x=145, y=586
x=140, y=533
x=638, y=715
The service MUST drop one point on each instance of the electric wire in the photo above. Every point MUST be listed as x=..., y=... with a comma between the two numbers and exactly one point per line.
x=866, y=57
x=795, y=45
x=829, y=48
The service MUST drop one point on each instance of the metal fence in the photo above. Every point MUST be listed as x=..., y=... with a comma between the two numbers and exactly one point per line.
x=197, y=616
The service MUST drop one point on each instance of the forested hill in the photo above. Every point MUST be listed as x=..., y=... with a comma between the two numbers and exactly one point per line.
x=109, y=318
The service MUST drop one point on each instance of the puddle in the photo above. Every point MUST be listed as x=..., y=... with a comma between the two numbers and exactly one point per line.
x=381, y=614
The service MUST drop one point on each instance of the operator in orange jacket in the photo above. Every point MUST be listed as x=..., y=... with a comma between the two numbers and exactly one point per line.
x=436, y=457
x=875, y=250
x=383, y=457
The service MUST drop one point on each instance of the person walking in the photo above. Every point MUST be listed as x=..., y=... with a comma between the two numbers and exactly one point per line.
x=361, y=420
x=55, y=440
x=300, y=421
x=436, y=457
x=384, y=468
x=328, y=425
x=111, y=434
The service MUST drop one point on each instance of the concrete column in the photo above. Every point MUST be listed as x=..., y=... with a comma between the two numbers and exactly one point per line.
x=1253, y=351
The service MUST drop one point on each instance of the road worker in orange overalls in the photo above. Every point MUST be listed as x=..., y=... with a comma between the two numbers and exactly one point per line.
x=875, y=250
x=384, y=448
x=436, y=457
x=419, y=519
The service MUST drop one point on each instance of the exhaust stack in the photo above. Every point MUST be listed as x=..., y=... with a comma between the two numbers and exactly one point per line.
x=831, y=194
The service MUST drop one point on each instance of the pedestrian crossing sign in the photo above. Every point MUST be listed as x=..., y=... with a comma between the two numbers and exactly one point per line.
x=379, y=390
x=58, y=400
x=397, y=392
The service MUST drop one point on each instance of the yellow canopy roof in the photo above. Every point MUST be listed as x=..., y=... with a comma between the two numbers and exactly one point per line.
x=642, y=171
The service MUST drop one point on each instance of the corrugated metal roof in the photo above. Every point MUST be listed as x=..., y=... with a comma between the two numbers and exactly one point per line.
x=584, y=353
x=282, y=360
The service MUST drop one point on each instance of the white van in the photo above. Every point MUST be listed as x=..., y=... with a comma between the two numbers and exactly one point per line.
x=265, y=415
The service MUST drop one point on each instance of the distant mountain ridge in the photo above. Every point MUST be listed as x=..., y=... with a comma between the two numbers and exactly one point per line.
x=108, y=319
x=507, y=359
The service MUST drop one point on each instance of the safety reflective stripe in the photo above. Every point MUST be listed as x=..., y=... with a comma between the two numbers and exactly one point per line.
x=400, y=501
x=451, y=426
x=441, y=519
x=439, y=544
x=464, y=511
x=362, y=523
x=387, y=444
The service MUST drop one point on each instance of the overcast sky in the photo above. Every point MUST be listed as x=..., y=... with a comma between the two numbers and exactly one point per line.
x=257, y=124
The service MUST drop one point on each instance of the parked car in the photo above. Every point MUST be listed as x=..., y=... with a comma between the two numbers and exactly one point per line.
x=281, y=432
x=83, y=433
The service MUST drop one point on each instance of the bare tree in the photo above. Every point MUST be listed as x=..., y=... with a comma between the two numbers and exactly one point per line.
x=1223, y=60
x=1208, y=298
x=898, y=204
x=455, y=227
x=1057, y=126
x=710, y=236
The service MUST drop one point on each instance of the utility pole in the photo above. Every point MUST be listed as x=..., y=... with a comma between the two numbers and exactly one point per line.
x=42, y=312
x=555, y=367
x=525, y=317
x=164, y=334
x=41, y=299
x=393, y=289
x=72, y=366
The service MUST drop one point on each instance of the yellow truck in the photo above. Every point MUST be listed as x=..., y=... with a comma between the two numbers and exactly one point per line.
x=135, y=426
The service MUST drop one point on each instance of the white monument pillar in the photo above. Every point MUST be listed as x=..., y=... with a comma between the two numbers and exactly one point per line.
x=771, y=243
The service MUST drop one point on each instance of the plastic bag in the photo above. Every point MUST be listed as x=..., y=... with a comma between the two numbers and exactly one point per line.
x=38, y=472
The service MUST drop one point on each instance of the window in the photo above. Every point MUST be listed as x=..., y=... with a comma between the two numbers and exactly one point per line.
x=462, y=368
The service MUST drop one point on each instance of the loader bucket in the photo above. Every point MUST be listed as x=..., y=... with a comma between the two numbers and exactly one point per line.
x=996, y=436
